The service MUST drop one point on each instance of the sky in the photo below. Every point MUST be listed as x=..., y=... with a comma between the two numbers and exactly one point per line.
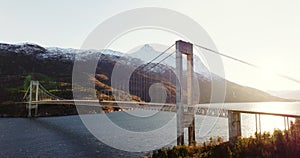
x=265, y=33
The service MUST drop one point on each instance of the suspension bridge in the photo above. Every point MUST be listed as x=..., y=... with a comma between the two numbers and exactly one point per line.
x=183, y=103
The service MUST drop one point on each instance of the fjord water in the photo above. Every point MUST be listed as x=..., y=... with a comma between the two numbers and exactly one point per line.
x=66, y=136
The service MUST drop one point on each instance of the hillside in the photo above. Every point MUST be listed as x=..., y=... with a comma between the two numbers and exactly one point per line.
x=54, y=66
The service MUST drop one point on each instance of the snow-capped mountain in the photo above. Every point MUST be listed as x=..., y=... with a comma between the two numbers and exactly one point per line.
x=79, y=54
x=25, y=48
x=147, y=53
x=56, y=65
x=55, y=52
x=136, y=59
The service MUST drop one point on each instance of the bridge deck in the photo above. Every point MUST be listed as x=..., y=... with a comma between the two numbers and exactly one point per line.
x=289, y=109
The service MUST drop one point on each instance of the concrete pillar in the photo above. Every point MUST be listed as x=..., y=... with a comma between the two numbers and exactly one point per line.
x=257, y=123
x=191, y=133
x=30, y=99
x=36, y=97
x=187, y=49
x=234, y=125
x=190, y=72
x=179, y=108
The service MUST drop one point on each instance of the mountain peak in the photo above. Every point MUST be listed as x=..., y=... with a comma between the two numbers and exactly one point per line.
x=147, y=47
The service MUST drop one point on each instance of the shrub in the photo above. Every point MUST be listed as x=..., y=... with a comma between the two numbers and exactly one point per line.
x=279, y=144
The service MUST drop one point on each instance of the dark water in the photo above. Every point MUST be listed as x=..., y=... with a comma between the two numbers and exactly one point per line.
x=67, y=136
x=52, y=137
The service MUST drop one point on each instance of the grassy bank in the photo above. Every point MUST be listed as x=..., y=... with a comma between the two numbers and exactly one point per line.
x=279, y=144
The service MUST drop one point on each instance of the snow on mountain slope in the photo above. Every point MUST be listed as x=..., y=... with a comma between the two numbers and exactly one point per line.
x=147, y=53
x=26, y=48
x=80, y=54
x=142, y=56
x=54, y=52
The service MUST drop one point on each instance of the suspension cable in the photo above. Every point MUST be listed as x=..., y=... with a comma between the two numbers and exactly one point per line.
x=246, y=63
x=25, y=95
x=156, y=57
x=48, y=93
x=160, y=61
x=142, y=79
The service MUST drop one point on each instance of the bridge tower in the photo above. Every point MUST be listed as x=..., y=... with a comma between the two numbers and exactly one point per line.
x=185, y=115
x=33, y=87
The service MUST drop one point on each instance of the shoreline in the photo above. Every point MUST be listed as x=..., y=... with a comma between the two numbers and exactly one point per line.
x=16, y=110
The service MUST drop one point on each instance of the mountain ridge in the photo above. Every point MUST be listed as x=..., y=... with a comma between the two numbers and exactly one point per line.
x=54, y=68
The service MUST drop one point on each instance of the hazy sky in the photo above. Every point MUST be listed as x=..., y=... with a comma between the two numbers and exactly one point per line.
x=265, y=33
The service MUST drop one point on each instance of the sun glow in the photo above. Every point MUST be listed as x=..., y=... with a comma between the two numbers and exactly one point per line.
x=267, y=76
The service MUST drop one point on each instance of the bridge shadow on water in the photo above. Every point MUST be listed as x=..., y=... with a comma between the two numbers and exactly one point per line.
x=52, y=137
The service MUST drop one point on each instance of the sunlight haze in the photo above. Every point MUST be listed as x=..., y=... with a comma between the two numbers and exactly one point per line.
x=264, y=33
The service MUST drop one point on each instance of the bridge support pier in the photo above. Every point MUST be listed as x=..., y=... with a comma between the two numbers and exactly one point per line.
x=234, y=125
x=257, y=123
x=185, y=117
x=34, y=86
x=191, y=133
